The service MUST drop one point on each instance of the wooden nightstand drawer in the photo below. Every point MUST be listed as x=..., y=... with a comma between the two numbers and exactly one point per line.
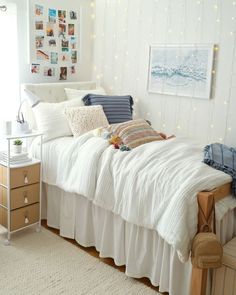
x=3, y=175
x=24, y=216
x=3, y=217
x=24, y=196
x=21, y=176
x=3, y=196
x=20, y=217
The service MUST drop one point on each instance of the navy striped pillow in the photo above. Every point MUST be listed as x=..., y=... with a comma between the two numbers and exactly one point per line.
x=118, y=109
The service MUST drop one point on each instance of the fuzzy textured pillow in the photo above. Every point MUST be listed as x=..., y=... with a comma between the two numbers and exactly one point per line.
x=84, y=119
x=136, y=132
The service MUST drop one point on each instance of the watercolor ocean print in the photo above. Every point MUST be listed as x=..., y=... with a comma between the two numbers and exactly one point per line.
x=181, y=70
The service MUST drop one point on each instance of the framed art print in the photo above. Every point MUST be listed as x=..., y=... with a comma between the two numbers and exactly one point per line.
x=183, y=70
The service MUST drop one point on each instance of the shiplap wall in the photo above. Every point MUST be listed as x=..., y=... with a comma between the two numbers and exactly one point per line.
x=124, y=30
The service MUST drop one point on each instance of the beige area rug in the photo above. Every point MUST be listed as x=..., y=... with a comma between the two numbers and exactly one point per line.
x=43, y=263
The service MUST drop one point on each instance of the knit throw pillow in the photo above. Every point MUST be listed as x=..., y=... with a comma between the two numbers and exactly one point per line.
x=84, y=119
x=136, y=132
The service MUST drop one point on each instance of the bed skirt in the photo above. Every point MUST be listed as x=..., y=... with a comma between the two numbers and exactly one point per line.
x=141, y=250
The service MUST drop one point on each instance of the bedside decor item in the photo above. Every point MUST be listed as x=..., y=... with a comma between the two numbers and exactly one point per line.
x=17, y=146
x=20, y=126
x=6, y=127
x=182, y=70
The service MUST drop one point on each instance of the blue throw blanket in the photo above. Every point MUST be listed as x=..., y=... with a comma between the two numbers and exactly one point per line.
x=222, y=157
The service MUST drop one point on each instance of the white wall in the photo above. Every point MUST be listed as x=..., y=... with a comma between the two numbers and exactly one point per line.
x=84, y=65
x=124, y=29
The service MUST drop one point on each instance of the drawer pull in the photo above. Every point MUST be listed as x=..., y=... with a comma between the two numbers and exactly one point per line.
x=26, y=201
x=26, y=220
x=26, y=181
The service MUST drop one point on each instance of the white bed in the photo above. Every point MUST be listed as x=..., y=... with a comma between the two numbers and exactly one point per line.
x=142, y=250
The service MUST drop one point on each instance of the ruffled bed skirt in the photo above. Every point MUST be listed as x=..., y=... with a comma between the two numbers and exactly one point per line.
x=141, y=250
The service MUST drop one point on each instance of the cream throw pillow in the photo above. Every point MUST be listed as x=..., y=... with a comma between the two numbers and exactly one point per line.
x=86, y=118
x=51, y=120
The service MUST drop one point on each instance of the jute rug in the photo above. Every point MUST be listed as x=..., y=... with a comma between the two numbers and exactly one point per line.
x=43, y=263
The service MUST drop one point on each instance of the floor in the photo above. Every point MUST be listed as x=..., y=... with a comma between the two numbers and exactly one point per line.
x=92, y=251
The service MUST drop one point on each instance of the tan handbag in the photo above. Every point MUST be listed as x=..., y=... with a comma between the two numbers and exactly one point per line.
x=207, y=251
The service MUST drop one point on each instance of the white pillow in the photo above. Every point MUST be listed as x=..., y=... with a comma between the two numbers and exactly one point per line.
x=51, y=119
x=80, y=94
x=86, y=118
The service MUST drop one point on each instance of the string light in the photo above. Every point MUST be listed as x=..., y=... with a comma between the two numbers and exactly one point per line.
x=178, y=127
x=115, y=78
x=199, y=18
x=92, y=4
x=229, y=129
x=217, y=20
x=92, y=16
x=216, y=6
x=220, y=139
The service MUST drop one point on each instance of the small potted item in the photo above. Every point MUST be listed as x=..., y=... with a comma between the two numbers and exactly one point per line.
x=17, y=146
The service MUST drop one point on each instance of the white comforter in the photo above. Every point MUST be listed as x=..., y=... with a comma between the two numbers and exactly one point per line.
x=154, y=185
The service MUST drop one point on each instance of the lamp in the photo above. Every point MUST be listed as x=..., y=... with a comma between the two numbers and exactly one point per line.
x=22, y=126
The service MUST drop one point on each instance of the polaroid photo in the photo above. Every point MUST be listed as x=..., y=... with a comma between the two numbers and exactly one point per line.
x=39, y=41
x=52, y=15
x=63, y=73
x=62, y=30
x=74, y=56
x=64, y=57
x=73, y=42
x=62, y=16
x=64, y=43
x=66, y=49
x=49, y=72
x=42, y=55
x=52, y=43
x=72, y=70
x=50, y=30
x=54, y=58
x=35, y=68
x=71, y=29
x=73, y=15
x=38, y=10
x=39, y=25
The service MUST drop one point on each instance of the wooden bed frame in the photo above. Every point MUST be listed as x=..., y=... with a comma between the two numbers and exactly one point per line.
x=206, y=220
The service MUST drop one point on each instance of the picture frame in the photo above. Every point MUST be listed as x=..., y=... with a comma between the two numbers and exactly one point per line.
x=181, y=69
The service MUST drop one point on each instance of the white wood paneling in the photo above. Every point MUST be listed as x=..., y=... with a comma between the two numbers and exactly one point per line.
x=124, y=31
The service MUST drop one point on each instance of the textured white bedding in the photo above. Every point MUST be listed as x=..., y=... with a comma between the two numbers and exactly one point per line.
x=153, y=186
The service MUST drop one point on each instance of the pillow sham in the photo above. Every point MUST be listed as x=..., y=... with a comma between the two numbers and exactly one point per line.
x=51, y=120
x=84, y=119
x=117, y=109
x=79, y=94
x=136, y=132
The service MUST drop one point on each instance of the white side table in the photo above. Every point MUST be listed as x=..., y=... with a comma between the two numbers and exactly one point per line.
x=20, y=188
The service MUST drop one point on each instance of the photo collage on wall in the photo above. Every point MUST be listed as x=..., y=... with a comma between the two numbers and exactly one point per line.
x=56, y=44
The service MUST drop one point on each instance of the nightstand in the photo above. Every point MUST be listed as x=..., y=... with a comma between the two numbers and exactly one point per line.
x=20, y=188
